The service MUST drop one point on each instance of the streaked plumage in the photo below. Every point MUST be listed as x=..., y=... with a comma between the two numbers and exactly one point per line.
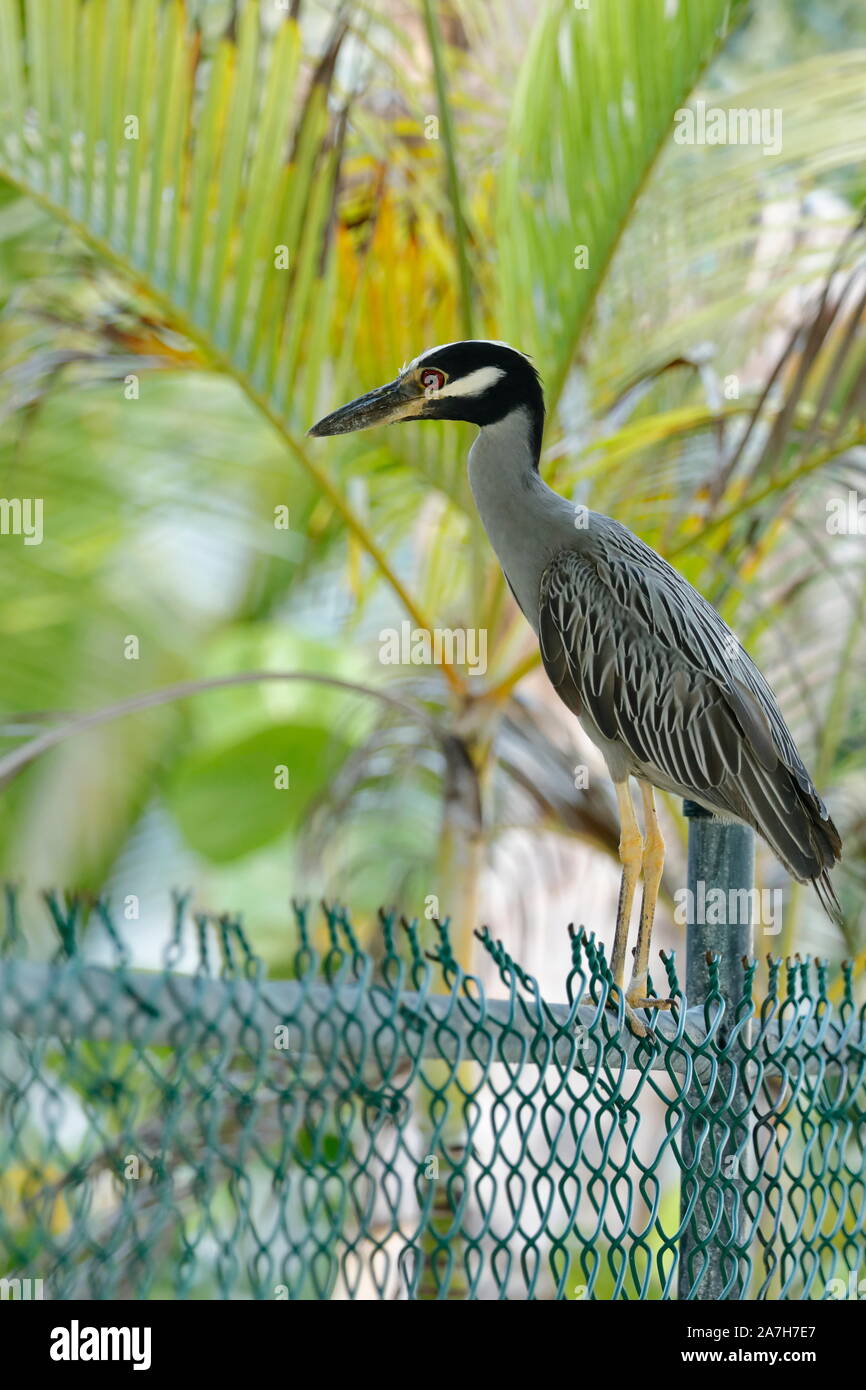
x=637, y=654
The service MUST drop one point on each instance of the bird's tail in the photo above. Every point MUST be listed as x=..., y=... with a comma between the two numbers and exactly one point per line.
x=827, y=897
x=787, y=811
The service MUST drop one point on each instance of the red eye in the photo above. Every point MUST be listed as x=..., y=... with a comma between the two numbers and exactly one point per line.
x=432, y=380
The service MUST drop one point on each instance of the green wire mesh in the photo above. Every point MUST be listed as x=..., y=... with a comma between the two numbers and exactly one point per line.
x=377, y=1127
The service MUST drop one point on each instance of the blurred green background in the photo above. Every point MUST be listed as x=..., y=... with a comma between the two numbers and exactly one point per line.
x=217, y=222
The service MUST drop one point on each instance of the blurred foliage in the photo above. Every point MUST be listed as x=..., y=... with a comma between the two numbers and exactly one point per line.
x=217, y=221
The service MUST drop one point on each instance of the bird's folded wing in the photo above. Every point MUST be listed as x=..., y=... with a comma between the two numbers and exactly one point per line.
x=627, y=640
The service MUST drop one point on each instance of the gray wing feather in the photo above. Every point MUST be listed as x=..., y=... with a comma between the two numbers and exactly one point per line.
x=626, y=640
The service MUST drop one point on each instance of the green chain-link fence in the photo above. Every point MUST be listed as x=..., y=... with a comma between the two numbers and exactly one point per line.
x=377, y=1127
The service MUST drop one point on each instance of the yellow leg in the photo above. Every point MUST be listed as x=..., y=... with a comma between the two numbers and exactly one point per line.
x=653, y=864
x=630, y=855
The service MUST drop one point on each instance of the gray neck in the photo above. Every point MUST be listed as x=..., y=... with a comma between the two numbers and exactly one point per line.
x=525, y=520
x=504, y=447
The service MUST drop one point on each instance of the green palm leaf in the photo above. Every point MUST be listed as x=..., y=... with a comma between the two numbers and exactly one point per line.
x=175, y=165
x=592, y=112
x=205, y=178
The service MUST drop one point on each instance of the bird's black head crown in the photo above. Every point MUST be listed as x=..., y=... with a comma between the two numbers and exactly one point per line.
x=484, y=382
x=476, y=380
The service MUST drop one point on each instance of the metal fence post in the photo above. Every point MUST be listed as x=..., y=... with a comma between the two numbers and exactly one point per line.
x=720, y=856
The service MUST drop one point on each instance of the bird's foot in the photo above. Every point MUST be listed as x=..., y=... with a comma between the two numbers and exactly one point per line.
x=638, y=1001
x=588, y=1002
x=635, y=1023
x=636, y=995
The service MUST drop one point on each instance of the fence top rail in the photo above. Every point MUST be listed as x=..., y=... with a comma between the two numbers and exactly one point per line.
x=73, y=1000
x=410, y=1003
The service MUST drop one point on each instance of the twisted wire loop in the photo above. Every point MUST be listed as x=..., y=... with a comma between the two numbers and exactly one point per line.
x=378, y=1126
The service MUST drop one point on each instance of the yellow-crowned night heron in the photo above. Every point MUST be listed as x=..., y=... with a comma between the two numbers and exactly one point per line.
x=657, y=679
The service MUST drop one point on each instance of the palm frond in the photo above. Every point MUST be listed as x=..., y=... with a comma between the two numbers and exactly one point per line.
x=589, y=120
x=206, y=181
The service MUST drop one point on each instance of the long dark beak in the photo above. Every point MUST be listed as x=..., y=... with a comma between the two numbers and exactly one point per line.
x=380, y=407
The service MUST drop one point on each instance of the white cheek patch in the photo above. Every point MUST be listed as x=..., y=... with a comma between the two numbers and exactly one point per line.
x=472, y=385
